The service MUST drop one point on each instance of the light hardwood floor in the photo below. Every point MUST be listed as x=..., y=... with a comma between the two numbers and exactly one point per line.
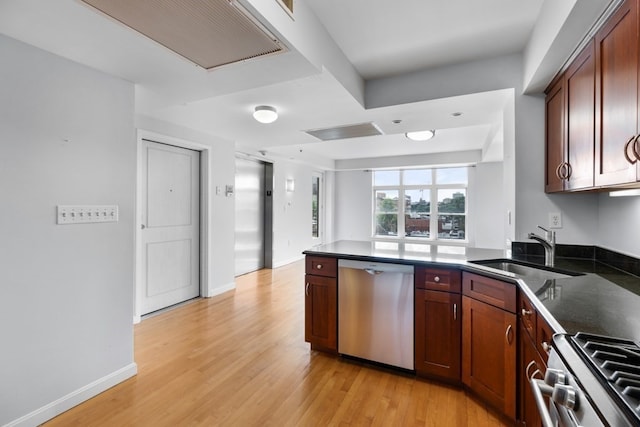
x=239, y=359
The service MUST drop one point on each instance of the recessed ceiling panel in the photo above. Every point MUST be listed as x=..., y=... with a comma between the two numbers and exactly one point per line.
x=209, y=33
x=347, y=131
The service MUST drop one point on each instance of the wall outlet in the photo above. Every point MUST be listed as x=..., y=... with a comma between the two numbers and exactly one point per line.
x=555, y=220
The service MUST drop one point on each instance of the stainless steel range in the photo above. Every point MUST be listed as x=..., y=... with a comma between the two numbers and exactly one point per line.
x=591, y=380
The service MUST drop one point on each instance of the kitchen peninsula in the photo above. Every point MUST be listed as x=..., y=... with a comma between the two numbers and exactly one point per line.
x=478, y=326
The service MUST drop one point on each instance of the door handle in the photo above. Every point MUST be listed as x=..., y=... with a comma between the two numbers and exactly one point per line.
x=636, y=147
x=142, y=226
x=306, y=289
x=455, y=311
x=373, y=272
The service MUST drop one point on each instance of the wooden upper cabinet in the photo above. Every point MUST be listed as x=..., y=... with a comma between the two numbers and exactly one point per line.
x=555, y=137
x=616, y=48
x=578, y=171
x=570, y=126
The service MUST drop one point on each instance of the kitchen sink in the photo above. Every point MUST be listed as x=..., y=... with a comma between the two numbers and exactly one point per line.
x=527, y=270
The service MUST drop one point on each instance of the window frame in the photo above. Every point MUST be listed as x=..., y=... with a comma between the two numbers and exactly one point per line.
x=434, y=213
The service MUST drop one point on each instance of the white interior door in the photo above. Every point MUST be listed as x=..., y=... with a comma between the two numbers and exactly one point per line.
x=170, y=232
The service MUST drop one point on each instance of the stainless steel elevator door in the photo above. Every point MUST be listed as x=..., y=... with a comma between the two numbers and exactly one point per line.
x=250, y=216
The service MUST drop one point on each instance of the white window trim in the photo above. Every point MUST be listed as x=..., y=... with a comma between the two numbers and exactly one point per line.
x=433, y=216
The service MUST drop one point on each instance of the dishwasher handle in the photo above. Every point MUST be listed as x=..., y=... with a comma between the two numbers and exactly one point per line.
x=373, y=272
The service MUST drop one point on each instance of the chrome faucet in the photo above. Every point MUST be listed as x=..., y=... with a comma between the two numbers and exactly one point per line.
x=548, y=242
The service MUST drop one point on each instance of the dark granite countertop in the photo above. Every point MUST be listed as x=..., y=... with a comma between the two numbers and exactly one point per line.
x=404, y=253
x=603, y=300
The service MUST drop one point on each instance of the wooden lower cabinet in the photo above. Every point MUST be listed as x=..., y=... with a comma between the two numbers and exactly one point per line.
x=321, y=312
x=438, y=330
x=530, y=362
x=489, y=338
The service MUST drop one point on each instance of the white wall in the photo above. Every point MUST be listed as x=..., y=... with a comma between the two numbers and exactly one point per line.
x=353, y=204
x=618, y=224
x=292, y=212
x=66, y=137
x=486, y=205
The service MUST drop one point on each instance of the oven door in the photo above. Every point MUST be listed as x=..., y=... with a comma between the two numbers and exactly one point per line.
x=568, y=405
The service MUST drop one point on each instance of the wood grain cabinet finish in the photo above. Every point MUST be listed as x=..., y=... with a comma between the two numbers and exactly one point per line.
x=321, y=266
x=616, y=45
x=438, y=279
x=531, y=364
x=570, y=126
x=555, y=135
x=534, y=344
x=489, y=341
x=438, y=334
x=321, y=303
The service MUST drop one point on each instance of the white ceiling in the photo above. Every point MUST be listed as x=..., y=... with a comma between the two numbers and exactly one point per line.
x=383, y=38
x=377, y=39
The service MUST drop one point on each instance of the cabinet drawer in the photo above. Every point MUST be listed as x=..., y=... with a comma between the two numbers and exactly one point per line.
x=544, y=333
x=322, y=266
x=438, y=279
x=495, y=292
x=527, y=314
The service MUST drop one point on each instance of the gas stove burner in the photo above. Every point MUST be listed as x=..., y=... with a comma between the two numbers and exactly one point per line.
x=617, y=361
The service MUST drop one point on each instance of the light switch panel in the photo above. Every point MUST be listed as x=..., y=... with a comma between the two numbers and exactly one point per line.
x=83, y=214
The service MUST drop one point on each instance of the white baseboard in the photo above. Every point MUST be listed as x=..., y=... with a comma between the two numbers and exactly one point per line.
x=221, y=289
x=74, y=398
x=287, y=261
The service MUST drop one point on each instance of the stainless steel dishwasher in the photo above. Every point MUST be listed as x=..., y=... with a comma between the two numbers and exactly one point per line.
x=375, y=312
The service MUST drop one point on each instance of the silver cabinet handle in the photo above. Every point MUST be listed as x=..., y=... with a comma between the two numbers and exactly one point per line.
x=436, y=279
x=626, y=151
x=455, y=311
x=526, y=312
x=319, y=267
x=508, y=334
x=529, y=366
x=306, y=289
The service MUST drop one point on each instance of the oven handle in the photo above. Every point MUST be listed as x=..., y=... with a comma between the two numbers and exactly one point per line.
x=541, y=389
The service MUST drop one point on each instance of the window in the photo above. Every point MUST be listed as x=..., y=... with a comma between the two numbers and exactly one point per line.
x=421, y=204
x=315, y=206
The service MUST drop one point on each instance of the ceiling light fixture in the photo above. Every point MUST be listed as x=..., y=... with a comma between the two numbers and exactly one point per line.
x=422, y=135
x=265, y=114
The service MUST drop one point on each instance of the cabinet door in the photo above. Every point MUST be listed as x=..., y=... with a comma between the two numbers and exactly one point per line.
x=321, y=312
x=530, y=362
x=438, y=333
x=555, y=137
x=617, y=96
x=580, y=94
x=489, y=354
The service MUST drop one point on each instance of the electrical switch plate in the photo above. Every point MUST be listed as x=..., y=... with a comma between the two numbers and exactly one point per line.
x=83, y=214
x=555, y=220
